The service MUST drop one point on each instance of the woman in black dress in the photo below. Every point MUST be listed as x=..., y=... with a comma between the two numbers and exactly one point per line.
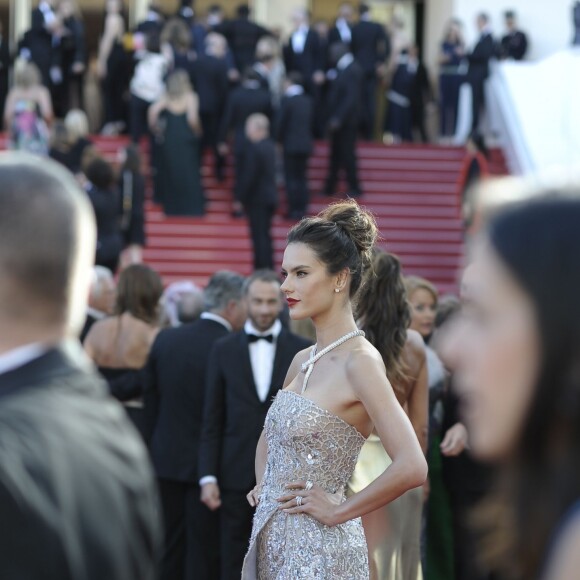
x=174, y=119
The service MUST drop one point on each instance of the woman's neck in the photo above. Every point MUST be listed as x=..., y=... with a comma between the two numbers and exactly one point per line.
x=333, y=326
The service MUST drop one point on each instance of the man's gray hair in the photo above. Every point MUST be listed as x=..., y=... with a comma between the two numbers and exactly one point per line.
x=100, y=275
x=223, y=287
x=264, y=275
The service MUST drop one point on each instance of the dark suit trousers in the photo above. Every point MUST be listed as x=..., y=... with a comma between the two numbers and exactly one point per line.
x=236, y=529
x=210, y=123
x=369, y=113
x=343, y=156
x=295, y=167
x=260, y=219
x=478, y=90
x=138, y=118
x=191, y=533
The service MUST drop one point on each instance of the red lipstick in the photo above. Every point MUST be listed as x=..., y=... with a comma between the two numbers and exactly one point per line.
x=292, y=302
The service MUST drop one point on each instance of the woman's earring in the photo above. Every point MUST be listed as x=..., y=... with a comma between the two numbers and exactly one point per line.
x=337, y=290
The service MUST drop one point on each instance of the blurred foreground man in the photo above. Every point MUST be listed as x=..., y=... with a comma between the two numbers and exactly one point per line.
x=77, y=498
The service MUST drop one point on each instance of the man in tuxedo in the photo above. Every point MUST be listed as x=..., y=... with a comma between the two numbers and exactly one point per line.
x=514, y=44
x=304, y=52
x=40, y=43
x=343, y=110
x=77, y=495
x=245, y=100
x=294, y=133
x=371, y=49
x=209, y=75
x=342, y=29
x=245, y=371
x=175, y=377
x=257, y=191
x=242, y=35
x=101, y=298
x=478, y=70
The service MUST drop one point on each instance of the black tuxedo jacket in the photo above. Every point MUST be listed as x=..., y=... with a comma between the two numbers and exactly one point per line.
x=209, y=76
x=175, y=377
x=39, y=41
x=309, y=60
x=77, y=494
x=514, y=45
x=479, y=59
x=345, y=94
x=334, y=36
x=370, y=45
x=257, y=181
x=234, y=416
x=242, y=36
x=243, y=102
x=294, y=124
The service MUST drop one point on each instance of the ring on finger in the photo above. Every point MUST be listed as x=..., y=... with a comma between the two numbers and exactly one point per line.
x=298, y=500
x=309, y=485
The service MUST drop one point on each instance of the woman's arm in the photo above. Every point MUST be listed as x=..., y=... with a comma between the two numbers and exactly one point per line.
x=418, y=403
x=366, y=373
x=9, y=110
x=154, y=111
x=193, y=113
x=45, y=104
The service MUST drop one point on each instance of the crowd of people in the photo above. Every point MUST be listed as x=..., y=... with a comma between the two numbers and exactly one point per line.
x=488, y=377
x=186, y=85
x=263, y=446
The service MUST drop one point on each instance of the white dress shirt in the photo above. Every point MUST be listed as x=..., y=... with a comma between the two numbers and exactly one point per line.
x=344, y=30
x=262, y=355
x=18, y=357
x=299, y=39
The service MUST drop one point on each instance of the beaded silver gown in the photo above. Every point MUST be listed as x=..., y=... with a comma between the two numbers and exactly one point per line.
x=305, y=443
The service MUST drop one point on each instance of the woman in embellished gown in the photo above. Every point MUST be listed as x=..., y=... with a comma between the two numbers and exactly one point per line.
x=393, y=532
x=335, y=395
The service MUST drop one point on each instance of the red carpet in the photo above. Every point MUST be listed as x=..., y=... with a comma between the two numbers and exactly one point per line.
x=412, y=190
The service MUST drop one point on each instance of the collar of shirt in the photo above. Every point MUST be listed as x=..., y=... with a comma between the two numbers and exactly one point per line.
x=344, y=30
x=216, y=318
x=366, y=17
x=344, y=61
x=294, y=90
x=153, y=16
x=96, y=314
x=18, y=357
x=274, y=330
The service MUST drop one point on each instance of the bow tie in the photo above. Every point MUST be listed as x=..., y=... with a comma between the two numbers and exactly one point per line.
x=256, y=337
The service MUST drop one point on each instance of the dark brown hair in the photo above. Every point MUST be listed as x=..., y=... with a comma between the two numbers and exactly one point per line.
x=138, y=292
x=384, y=313
x=539, y=244
x=342, y=236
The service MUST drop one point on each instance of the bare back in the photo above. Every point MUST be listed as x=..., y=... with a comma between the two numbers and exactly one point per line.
x=120, y=342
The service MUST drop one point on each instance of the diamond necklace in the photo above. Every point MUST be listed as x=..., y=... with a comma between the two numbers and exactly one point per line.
x=308, y=366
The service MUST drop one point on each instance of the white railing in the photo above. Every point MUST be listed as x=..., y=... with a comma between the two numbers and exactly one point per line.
x=535, y=109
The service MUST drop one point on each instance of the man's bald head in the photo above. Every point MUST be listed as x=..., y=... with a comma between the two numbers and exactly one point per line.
x=47, y=245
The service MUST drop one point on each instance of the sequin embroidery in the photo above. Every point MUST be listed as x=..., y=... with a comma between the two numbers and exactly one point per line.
x=305, y=442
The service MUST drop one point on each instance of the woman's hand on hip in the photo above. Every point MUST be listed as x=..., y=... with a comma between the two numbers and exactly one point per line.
x=314, y=501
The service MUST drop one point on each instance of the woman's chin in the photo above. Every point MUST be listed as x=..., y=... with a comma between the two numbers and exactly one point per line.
x=296, y=314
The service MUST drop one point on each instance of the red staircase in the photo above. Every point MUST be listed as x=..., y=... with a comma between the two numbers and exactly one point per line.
x=412, y=190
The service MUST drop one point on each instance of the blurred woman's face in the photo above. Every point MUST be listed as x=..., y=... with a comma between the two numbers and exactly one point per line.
x=423, y=311
x=495, y=348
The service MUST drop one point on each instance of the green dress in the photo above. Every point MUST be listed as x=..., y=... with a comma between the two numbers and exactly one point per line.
x=178, y=181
